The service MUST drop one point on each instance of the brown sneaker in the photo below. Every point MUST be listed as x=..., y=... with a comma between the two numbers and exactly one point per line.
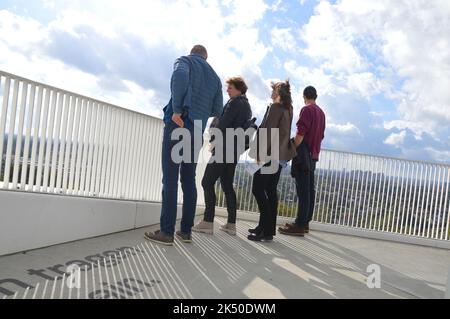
x=159, y=238
x=293, y=225
x=229, y=228
x=286, y=226
x=204, y=228
x=185, y=238
x=293, y=231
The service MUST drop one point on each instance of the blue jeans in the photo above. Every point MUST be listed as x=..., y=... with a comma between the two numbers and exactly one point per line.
x=171, y=172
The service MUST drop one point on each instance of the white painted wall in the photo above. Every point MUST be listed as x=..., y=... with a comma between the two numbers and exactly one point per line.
x=30, y=221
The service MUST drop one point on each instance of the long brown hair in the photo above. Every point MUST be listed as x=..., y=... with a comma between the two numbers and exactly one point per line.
x=283, y=89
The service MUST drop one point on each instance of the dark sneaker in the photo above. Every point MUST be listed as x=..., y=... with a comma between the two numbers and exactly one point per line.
x=159, y=238
x=293, y=231
x=185, y=238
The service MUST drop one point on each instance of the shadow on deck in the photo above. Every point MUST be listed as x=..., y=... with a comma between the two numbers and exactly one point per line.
x=322, y=265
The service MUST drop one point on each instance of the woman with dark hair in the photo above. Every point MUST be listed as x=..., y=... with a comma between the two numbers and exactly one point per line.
x=279, y=116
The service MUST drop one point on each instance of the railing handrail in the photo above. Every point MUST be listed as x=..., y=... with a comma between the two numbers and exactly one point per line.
x=21, y=78
x=388, y=157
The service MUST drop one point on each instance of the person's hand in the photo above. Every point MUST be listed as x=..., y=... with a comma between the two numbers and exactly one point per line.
x=178, y=120
x=211, y=147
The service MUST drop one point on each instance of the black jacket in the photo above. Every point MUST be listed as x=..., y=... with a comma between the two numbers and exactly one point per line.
x=236, y=114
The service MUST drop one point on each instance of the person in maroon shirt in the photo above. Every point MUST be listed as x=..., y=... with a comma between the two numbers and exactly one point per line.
x=310, y=134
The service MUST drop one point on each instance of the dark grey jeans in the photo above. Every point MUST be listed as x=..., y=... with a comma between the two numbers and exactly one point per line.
x=306, y=196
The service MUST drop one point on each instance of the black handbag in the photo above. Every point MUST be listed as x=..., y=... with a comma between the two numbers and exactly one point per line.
x=302, y=161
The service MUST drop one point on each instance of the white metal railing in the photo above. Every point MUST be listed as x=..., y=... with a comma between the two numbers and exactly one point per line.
x=58, y=142
x=55, y=141
x=367, y=192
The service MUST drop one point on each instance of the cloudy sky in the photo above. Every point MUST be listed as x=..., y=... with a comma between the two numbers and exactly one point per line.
x=382, y=68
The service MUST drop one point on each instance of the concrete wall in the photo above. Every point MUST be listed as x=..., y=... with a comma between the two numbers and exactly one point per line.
x=29, y=220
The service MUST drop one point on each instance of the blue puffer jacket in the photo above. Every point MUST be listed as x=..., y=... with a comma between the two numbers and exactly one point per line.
x=196, y=91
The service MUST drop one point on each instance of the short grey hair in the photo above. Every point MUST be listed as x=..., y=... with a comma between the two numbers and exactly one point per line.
x=200, y=50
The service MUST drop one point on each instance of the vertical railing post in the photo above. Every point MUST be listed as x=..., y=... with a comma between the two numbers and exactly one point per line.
x=3, y=118
x=9, y=144
x=447, y=291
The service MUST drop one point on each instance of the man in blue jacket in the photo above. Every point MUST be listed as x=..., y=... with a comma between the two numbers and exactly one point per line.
x=196, y=93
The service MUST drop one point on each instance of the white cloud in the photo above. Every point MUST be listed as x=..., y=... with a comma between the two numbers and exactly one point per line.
x=19, y=33
x=377, y=114
x=246, y=13
x=417, y=128
x=278, y=6
x=324, y=82
x=30, y=61
x=408, y=43
x=329, y=41
x=396, y=139
x=49, y=3
x=365, y=84
x=397, y=48
x=348, y=129
x=93, y=47
x=283, y=39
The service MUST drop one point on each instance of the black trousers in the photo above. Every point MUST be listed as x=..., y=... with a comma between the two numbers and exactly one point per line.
x=306, y=196
x=224, y=171
x=265, y=191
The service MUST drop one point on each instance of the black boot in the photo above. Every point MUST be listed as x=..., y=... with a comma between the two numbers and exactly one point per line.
x=255, y=231
x=260, y=237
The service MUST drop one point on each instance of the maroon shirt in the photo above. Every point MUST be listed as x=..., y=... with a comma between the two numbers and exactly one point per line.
x=311, y=125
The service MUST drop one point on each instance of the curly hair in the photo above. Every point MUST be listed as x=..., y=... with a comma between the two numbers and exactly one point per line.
x=283, y=89
x=239, y=83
